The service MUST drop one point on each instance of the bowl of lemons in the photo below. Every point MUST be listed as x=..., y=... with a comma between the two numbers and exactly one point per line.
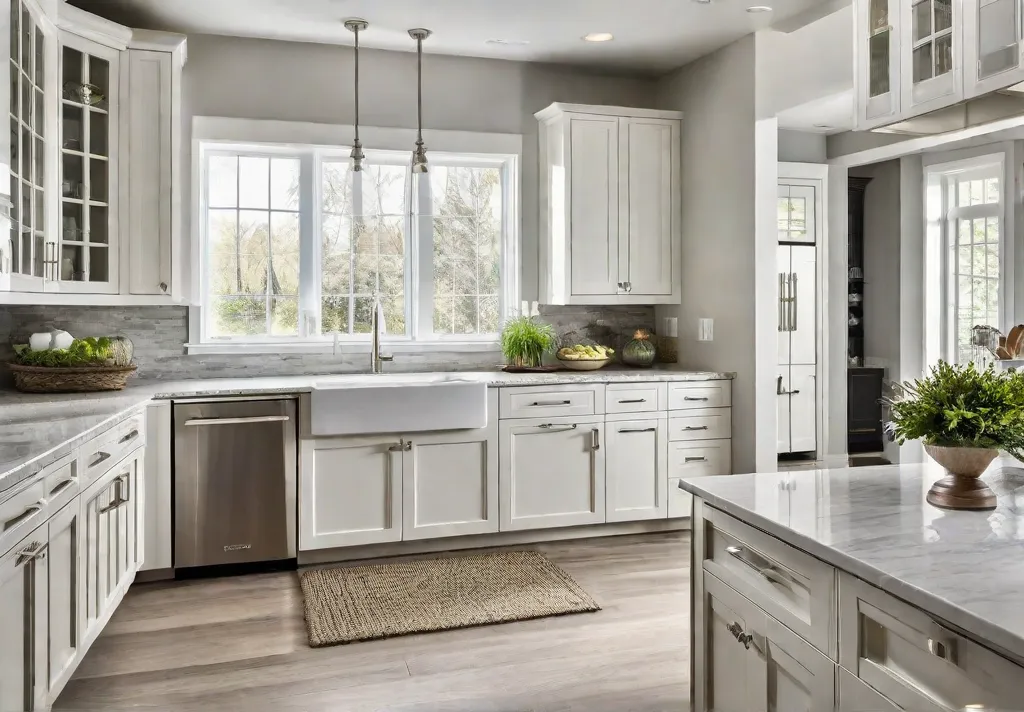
x=583, y=357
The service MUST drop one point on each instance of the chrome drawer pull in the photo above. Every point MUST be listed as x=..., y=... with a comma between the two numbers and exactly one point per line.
x=741, y=637
x=696, y=459
x=638, y=430
x=693, y=427
x=596, y=442
x=549, y=403
x=692, y=398
x=634, y=400
x=35, y=550
x=944, y=649
x=29, y=512
x=237, y=421
x=549, y=426
x=768, y=572
x=100, y=457
x=130, y=436
x=62, y=486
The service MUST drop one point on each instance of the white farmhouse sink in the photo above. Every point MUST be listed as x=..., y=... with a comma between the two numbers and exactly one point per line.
x=397, y=403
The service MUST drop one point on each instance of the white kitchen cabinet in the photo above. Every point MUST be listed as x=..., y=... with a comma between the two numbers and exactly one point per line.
x=151, y=144
x=854, y=695
x=931, y=55
x=795, y=383
x=24, y=621
x=551, y=472
x=65, y=550
x=610, y=205
x=796, y=391
x=796, y=676
x=636, y=469
x=730, y=673
x=157, y=496
x=450, y=483
x=350, y=491
x=877, y=60
x=993, y=45
x=98, y=578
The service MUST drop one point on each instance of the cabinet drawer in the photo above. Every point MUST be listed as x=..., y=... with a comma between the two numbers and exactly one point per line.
x=635, y=397
x=103, y=451
x=706, y=424
x=910, y=658
x=699, y=394
x=21, y=514
x=61, y=485
x=793, y=587
x=699, y=459
x=551, y=401
x=857, y=696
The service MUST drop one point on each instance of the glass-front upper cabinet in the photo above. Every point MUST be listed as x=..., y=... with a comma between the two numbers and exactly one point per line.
x=877, y=59
x=30, y=256
x=993, y=45
x=931, y=47
x=88, y=257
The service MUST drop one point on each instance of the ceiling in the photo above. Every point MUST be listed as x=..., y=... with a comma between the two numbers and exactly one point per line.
x=651, y=36
x=828, y=115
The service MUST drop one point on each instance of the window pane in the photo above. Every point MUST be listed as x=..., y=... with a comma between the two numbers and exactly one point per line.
x=334, y=312
x=992, y=190
x=223, y=177
x=336, y=256
x=285, y=250
x=977, y=192
x=238, y=316
x=284, y=316
x=337, y=188
x=383, y=189
x=284, y=183
x=253, y=250
x=224, y=249
x=253, y=182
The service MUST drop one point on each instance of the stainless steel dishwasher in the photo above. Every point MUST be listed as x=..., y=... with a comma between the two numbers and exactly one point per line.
x=234, y=482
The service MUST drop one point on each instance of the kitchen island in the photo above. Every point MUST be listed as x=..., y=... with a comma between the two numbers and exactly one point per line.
x=843, y=589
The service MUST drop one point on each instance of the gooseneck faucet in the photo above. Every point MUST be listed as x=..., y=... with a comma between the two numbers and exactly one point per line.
x=377, y=327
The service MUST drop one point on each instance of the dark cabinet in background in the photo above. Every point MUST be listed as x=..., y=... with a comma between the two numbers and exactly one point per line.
x=864, y=409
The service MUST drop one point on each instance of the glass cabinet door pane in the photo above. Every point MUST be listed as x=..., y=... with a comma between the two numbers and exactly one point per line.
x=922, y=15
x=26, y=40
x=40, y=64
x=997, y=37
x=943, y=55
x=943, y=15
x=879, y=63
x=922, y=63
x=878, y=15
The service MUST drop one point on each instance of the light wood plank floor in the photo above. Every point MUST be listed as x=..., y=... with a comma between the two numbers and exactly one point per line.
x=240, y=644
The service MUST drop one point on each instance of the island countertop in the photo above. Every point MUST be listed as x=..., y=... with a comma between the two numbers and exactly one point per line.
x=873, y=522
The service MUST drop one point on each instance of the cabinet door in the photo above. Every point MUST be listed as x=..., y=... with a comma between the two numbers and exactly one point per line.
x=796, y=676
x=854, y=695
x=88, y=255
x=803, y=313
x=992, y=45
x=731, y=668
x=153, y=84
x=23, y=620
x=803, y=430
x=350, y=492
x=877, y=73
x=648, y=247
x=65, y=548
x=636, y=470
x=783, y=403
x=551, y=472
x=593, y=169
x=931, y=49
x=99, y=578
x=450, y=484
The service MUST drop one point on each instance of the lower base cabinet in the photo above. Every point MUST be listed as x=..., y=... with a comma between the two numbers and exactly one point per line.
x=24, y=582
x=636, y=470
x=553, y=472
x=65, y=548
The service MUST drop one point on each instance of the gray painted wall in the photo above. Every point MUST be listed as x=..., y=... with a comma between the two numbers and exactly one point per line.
x=717, y=94
x=801, y=146
x=291, y=81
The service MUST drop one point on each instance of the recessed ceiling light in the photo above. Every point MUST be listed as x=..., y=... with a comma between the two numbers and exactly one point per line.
x=753, y=9
x=499, y=41
x=702, y=2
x=598, y=37
x=822, y=126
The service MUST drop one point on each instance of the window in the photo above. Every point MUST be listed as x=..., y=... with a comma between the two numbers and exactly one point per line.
x=298, y=247
x=967, y=278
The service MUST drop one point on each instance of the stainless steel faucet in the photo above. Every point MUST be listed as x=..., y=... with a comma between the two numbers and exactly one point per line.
x=377, y=327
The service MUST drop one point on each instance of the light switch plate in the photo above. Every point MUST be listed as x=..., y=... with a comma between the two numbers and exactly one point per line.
x=670, y=326
x=705, y=329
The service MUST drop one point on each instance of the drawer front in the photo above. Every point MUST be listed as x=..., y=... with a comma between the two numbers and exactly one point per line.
x=699, y=459
x=699, y=394
x=910, y=658
x=793, y=587
x=21, y=514
x=635, y=397
x=857, y=696
x=61, y=485
x=680, y=502
x=551, y=401
x=705, y=424
x=105, y=450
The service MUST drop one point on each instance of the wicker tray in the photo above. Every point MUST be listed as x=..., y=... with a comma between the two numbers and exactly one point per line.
x=87, y=379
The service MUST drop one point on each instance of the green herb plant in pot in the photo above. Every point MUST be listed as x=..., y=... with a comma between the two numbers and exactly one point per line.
x=963, y=415
x=525, y=340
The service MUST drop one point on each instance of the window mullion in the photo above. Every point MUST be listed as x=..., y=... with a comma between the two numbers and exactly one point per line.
x=310, y=218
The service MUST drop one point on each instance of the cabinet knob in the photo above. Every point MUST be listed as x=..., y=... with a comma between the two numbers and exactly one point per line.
x=163, y=286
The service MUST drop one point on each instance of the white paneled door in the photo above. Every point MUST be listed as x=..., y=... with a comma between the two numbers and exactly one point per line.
x=652, y=155
x=594, y=204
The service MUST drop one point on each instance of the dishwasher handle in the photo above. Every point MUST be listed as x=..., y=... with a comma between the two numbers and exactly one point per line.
x=238, y=421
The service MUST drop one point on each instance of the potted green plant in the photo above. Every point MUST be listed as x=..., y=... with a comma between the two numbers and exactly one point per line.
x=963, y=415
x=525, y=340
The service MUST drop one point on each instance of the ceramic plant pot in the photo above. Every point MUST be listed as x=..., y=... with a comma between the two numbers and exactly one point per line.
x=962, y=487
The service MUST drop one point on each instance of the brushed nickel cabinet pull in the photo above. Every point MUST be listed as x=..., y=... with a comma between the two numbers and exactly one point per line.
x=35, y=550
x=62, y=486
x=130, y=436
x=596, y=434
x=100, y=457
x=549, y=426
x=696, y=459
x=944, y=649
x=549, y=403
x=634, y=400
x=637, y=430
x=29, y=512
x=694, y=398
x=696, y=427
x=238, y=421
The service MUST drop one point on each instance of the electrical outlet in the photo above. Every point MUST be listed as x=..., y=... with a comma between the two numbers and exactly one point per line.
x=705, y=329
x=670, y=326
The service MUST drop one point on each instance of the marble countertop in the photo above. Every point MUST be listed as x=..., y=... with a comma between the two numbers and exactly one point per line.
x=36, y=430
x=964, y=567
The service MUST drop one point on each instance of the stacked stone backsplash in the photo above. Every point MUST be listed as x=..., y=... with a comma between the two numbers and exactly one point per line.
x=161, y=332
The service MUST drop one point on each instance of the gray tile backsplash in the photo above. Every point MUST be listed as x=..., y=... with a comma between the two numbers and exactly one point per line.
x=160, y=332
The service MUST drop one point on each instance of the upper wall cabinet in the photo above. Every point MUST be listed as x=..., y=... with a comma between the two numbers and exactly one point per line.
x=609, y=205
x=993, y=40
x=877, y=73
x=931, y=55
x=83, y=215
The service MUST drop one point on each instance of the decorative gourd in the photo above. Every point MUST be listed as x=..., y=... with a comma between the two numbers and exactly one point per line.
x=121, y=350
x=640, y=351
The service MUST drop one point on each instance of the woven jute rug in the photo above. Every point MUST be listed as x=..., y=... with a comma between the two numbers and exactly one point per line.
x=347, y=604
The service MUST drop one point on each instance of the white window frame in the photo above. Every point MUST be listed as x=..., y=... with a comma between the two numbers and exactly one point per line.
x=941, y=227
x=313, y=143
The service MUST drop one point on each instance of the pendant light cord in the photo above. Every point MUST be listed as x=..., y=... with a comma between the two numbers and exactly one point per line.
x=356, y=31
x=419, y=91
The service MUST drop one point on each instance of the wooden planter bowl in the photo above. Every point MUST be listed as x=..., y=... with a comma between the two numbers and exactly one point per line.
x=86, y=379
x=962, y=487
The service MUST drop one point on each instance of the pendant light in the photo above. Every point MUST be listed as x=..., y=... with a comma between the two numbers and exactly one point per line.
x=419, y=154
x=355, y=26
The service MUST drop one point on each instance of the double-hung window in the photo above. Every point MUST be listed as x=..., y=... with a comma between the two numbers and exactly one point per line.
x=966, y=255
x=297, y=248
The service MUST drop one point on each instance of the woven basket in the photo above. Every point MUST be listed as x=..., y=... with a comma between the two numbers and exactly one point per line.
x=86, y=379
